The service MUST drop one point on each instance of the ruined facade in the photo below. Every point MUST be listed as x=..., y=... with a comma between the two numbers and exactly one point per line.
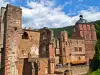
x=37, y=52
x=87, y=32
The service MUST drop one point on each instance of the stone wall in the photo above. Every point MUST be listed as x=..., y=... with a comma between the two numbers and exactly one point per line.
x=45, y=36
x=29, y=44
x=88, y=33
x=80, y=70
x=43, y=66
x=12, y=38
x=33, y=52
x=77, y=47
x=71, y=50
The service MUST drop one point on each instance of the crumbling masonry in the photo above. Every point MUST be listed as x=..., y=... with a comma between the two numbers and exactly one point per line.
x=37, y=52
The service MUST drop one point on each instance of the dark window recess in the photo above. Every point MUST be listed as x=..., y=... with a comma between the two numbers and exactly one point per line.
x=15, y=28
x=25, y=36
x=66, y=43
x=80, y=48
x=75, y=48
x=82, y=42
x=44, y=51
x=64, y=50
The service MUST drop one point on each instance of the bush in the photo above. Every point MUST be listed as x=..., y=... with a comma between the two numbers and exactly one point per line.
x=97, y=72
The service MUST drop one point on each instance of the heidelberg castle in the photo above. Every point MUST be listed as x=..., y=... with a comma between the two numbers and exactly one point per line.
x=37, y=52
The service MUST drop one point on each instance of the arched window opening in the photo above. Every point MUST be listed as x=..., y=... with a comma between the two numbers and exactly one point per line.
x=25, y=36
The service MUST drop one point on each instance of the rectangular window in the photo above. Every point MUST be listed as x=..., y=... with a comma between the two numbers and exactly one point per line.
x=80, y=48
x=64, y=50
x=75, y=48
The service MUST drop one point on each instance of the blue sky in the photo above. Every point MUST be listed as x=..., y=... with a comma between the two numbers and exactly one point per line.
x=70, y=5
x=55, y=13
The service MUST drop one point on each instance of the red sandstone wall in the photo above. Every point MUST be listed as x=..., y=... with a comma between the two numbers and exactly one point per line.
x=51, y=58
x=87, y=31
x=80, y=27
x=13, y=29
x=43, y=66
x=51, y=52
x=29, y=47
x=88, y=27
x=77, y=54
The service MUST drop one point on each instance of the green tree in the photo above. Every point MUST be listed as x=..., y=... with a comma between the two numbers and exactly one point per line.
x=57, y=31
x=97, y=72
x=97, y=48
x=96, y=60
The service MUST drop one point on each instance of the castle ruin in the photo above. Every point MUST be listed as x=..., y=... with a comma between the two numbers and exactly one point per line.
x=37, y=52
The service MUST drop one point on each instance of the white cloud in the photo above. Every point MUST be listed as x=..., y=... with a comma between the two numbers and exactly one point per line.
x=41, y=15
x=91, y=15
x=3, y=3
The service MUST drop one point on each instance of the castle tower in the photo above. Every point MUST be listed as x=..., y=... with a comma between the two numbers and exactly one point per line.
x=12, y=35
x=86, y=30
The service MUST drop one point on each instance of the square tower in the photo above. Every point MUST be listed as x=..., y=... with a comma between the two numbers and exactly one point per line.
x=86, y=31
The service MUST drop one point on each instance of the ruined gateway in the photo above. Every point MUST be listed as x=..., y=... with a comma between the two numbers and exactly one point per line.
x=37, y=52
